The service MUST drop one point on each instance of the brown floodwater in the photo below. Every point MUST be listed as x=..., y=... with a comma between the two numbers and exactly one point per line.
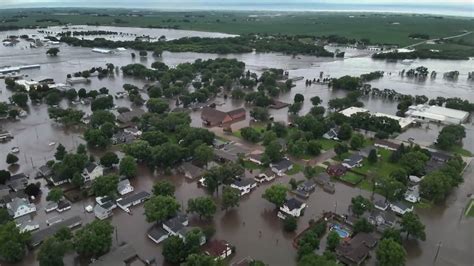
x=446, y=228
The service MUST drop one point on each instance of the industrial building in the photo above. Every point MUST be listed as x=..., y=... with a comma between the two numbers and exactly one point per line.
x=433, y=113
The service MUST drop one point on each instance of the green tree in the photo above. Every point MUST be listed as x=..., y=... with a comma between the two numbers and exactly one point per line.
x=372, y=156
x=20, y=99
x=157, y=105
x=11, y=159
x=205, y=207
x=128, y=166
x=275, y=194
x=412, y=225
x=201, y=260
x=333, y=240
x=52, y=251
x=96, y=138
x=4, y=176
x=105, y=185
x=250, y=134
x=102, y=103
x=313, y=260
x=52, y=51
x=163, y=188
x=340, y=149
x=173, y=249
x=260, y=114
x=55, y=194
x=94, y=239
x=230, y=198
x=12, y=242
x=362, y=225
x=4, y=216
x=295, y=108
x=109, y=159
x=100, y=117
x=345, y=132
x=360, y=205
x=316, y=100
x=357, y=141
x=314, y=147
x=393, y=234
x=60, y=152
x=77, y=180
x=450, y=135
x=390, y=253
x=160, y=208
x=273, y=152
x=290, y=224
x=203, y=154
x=299, y=98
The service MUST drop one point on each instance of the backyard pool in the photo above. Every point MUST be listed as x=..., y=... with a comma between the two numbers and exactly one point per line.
x=342, y=232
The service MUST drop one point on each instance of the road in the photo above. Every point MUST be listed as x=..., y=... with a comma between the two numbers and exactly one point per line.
x=437, y=39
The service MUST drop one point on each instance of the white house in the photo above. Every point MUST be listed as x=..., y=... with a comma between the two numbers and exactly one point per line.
x=281, y=167
x=400, y=208
x=124, y=187
x=413, y=194
x=355, y=160
x=244, y=185
x=102, y=213
x=157, y=234
x=218, y=249
x=266, y=176
x=293, y=207
x=92, y=171
x=19, y=207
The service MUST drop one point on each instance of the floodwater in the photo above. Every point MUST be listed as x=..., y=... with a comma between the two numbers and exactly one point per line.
x=445, y=226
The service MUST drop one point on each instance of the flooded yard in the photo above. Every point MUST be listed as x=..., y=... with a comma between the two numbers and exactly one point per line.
x=253, y=228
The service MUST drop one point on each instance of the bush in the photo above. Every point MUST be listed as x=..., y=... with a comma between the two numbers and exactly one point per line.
x=290, y=224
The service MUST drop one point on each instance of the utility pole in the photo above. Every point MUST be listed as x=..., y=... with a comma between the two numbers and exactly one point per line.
x=437, y=252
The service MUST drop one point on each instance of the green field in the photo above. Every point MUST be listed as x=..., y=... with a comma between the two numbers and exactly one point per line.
x=382, y=167
x=379, y=28
x=351, y=178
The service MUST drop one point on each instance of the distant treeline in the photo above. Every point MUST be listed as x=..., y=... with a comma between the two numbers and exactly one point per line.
x=241, y=44
x=87, y=33
x=427, y=54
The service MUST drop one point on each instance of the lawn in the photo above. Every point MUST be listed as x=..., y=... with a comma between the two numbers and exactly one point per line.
x=470, y=209
x=351, y=178
x=327, y=144
x=379, y=28
x=459, y=150
x=382, y=167
x=296, y=169
x=251, y=165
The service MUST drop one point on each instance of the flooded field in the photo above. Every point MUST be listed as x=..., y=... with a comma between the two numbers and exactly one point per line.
x=446, y=228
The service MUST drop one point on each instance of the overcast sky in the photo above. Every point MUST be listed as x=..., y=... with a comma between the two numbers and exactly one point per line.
x=16, y=2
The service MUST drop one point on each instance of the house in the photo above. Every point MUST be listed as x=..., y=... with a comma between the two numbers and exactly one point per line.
x=134, y=131
x=76, y=80
x=366, y=151
x=191, y=171
x=440, y=156
x=433, y=113
x=293, y=207
x=381, y=204
x=25, y=224
x=45, y=80
x=102, y=51
x=322, y=178
x=174, y=225
x=356, y=250
x=385, y=144
x=106, y=202
x=40, y=235
x=102, y=213
x=212, y=117
x=353, y=161
x=267, y=176
x=336, y=170
x=305, y=189
x=63, y=205
x=378, y=218
x=256, y=158
x=124, y=255
x=124, y=187
x=331, y=134
x=10, y=196
x=218, y=249
x=244, y=185
x=281, y=167
x=92, y=171
x=51, y=206
x=413, y=194
x=5, y=135
x=224, y=156
x=19, y=207
x=45, y=171
x=121, y=137
x=414, y=179
x=127, y=118
x=157, y=234
x=131, y=200
x=18, y=182
x=400, y=207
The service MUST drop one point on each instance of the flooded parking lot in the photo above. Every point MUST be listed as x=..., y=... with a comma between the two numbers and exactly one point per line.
x=447, y=229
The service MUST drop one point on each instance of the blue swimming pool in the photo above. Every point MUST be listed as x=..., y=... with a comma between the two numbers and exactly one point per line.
x=343, y=233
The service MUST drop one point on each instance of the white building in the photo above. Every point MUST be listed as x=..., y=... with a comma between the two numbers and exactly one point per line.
x=124, y=187
x=102, y=51
x=244, y=186
x=400, y=208
x=353, y=110
x=19, y=207
x=433, y=113
x=404, y=122
x=92, y=171
x=293, y=207
x=26, y=83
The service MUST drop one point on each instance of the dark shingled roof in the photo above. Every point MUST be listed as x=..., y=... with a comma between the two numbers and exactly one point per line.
x=293, y=204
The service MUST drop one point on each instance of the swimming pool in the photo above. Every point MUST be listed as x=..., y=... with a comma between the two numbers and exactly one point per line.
x=343, y=233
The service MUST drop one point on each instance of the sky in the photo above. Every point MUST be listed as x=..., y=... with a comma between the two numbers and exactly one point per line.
x=456, y=7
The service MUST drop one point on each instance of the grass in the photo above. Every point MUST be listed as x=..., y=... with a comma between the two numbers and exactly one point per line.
x=379, y=28
x=470, y=209
x=296, y=169
x=352, y=178
x=459, y=150
x=327, y=144
x=259, y=127
x=424, y=204
x=251, y=165
x=382, y=167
